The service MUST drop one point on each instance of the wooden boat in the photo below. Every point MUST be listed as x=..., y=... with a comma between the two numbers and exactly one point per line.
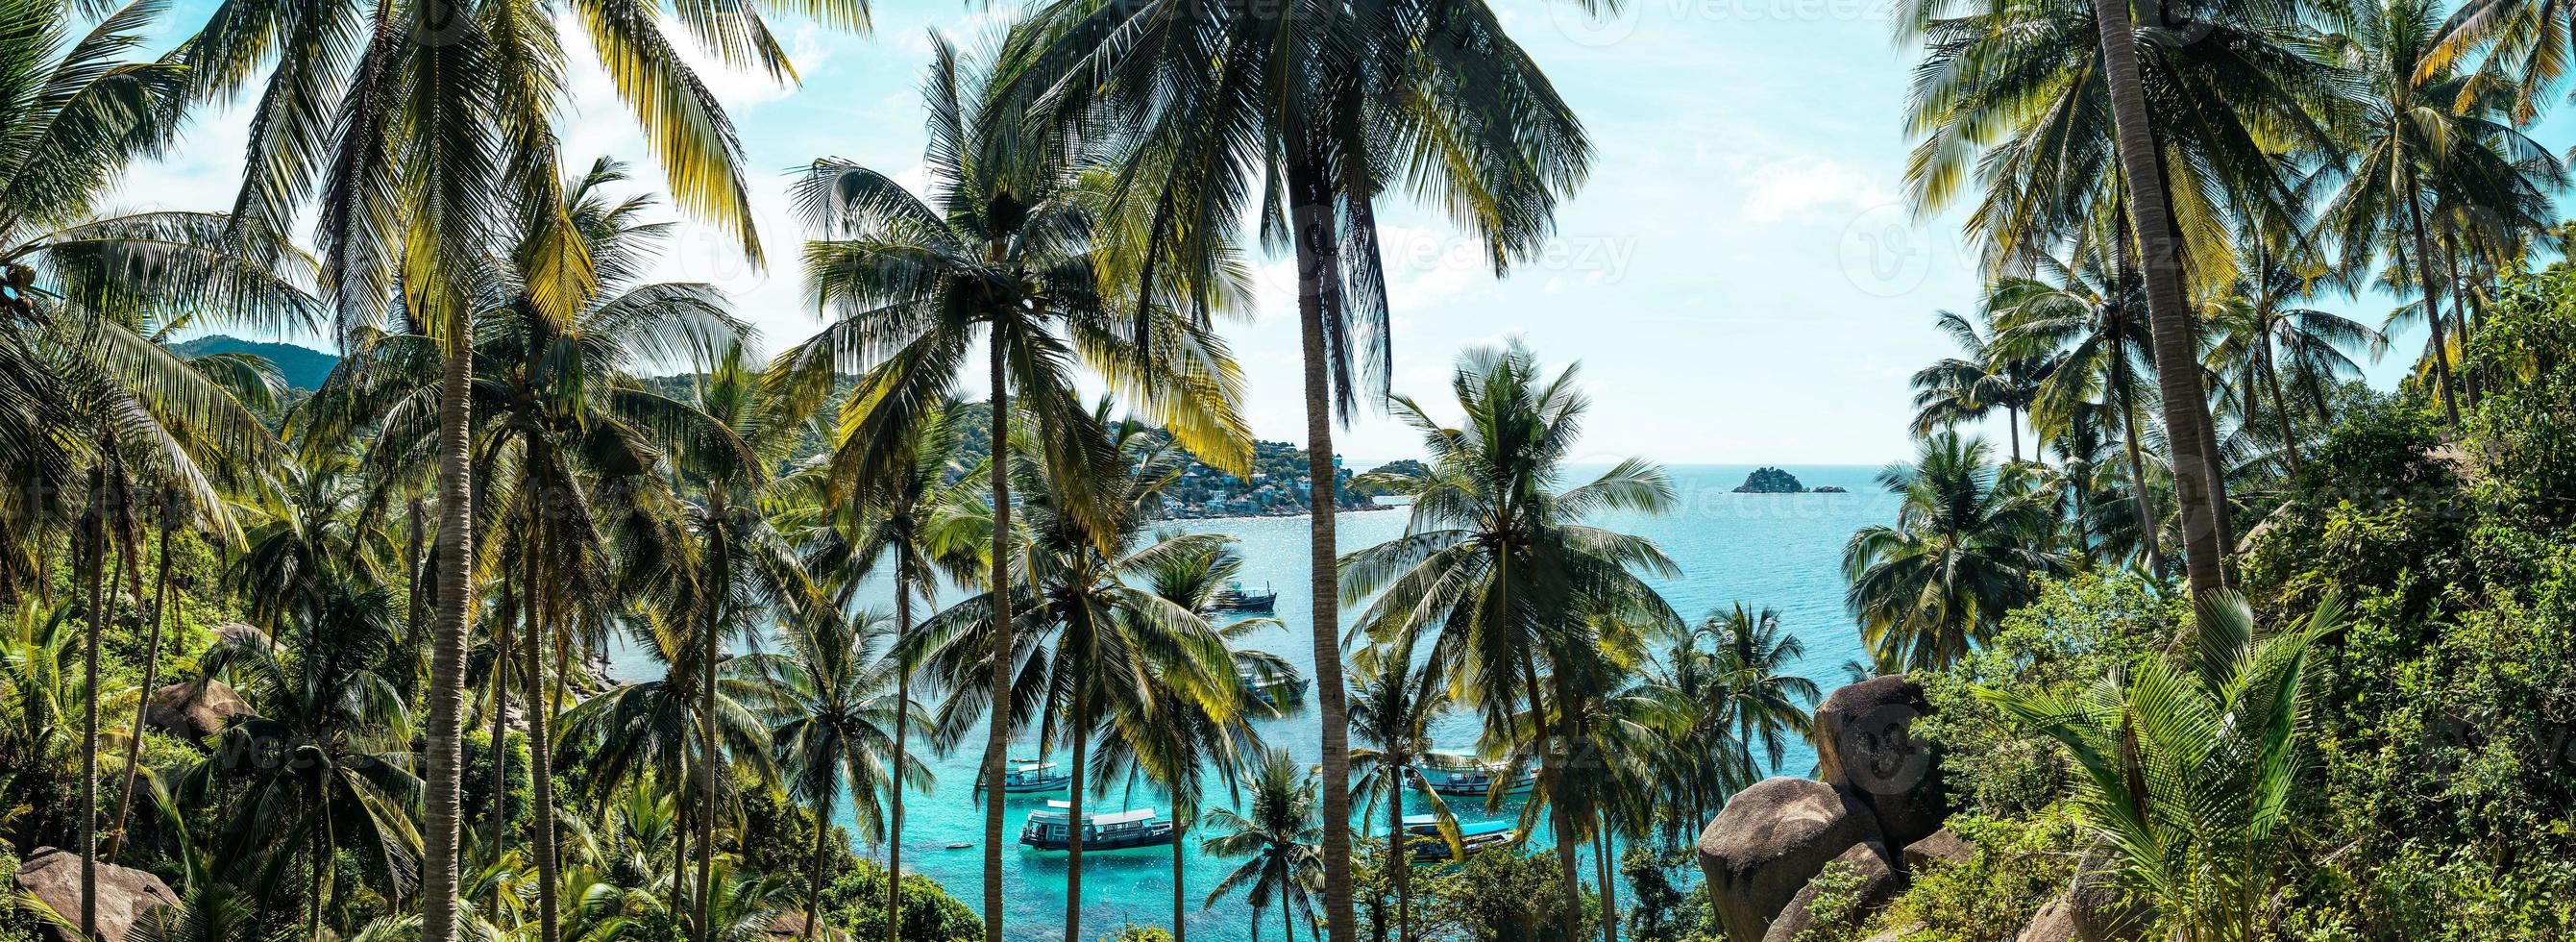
x=1275, y=688
x=1025, y=777
x=1233, y=598
x=1422, y=833
x=1048, y=829
x=1454, y=774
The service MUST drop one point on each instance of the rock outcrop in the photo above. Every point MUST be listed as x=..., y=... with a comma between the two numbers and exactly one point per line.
x=1769, y=841
x=1771, y=481
x=1943, y=848
x=1865, y=745
x=2092, y=910
x=1878, y=884
x=194, y=711
x=125, y=896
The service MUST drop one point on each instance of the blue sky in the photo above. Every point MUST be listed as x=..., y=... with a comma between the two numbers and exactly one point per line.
x=1738, y=278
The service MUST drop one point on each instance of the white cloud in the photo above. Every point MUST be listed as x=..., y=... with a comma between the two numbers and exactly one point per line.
x=1802, y=189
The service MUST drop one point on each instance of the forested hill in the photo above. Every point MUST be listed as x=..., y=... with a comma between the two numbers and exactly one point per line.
x=299, y=366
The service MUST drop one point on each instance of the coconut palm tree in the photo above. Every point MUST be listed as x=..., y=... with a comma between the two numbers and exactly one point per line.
x=832, y=713
x=1966, y=388
x=2427, y=135
x=1276, y=833
x=1752, y=654
x=2089, y=312
x=1003, y=248
x=1498, y=566
x=1392, y=708
x=1967, y=543
x=1092, y=639
x=327, y=693
x=742, y=570
x=2261, y=332
x=898, y=521
x=1301, y=117
x=2185, y=765
x=1171, y=737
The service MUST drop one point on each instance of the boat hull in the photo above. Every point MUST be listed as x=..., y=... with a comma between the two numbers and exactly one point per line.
x=1159, y=836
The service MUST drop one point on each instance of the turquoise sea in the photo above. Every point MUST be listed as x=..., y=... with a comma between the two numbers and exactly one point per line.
x=1783, y=551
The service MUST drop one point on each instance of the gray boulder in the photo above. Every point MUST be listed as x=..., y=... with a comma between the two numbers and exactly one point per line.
x=1943, y=848
x=193, y=711
x=1865, y=745
x=2092, y=910
x=1879, y=883
x=125, y=896
x=1769, y=841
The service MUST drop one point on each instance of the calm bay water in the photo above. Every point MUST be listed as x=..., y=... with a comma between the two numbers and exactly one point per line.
x=1780, y=550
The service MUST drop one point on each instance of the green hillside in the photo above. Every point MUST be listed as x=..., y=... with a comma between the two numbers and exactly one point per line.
x=302, y=367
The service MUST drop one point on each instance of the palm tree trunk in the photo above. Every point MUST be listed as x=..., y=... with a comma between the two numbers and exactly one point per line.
x=447, y=653
x=2432, y=308
x=418, y=599
x=902, y=729
x=719, y=581
x=151, y=677
x=1609, y=889
x=2272, y=382
x=814, y=881
x=503, y=644
x=1180, y=900
x=2124, y=391
x=997, y=735
x=1399, y=854
x=1081, y=722
x=1551, y=777
x=2460, y=319
x=95, y=536
x=541, y=743
x=1319, y=297
x=2012, y=423
x=318, y=857
x=2186, y=405
x=682, y=821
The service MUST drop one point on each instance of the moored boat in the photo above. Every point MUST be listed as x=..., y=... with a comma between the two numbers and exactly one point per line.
x=1025, y=776
x=1453, y=774
x=1422, y=833
x=1050, y=829
x=1233, y=598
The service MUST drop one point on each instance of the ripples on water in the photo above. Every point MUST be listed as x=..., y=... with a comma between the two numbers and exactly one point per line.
x=1777, y=550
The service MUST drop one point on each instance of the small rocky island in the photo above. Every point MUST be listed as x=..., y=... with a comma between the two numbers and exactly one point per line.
x=1771, y=481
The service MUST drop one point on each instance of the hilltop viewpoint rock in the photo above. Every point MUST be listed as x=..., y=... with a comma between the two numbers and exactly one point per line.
x=1769, y=841
x=1865, y=745
x=125, y=896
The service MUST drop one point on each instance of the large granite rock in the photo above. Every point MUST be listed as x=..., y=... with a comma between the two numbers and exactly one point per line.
x=1879, y=883
x=1769, y=841
x=125, y=896
x=193, y=711
x=1865, y=745
x=1943, y=848
x=2091, y=910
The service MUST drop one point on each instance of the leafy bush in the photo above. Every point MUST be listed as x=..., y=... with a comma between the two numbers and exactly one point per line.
x=855, y=903
x=1499, y=896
